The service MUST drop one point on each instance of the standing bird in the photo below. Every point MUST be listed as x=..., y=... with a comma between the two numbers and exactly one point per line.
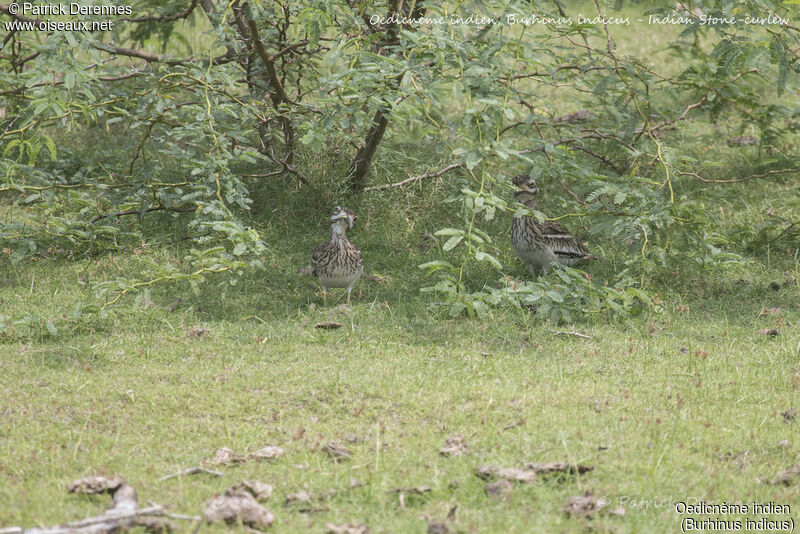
x=338, y=262
x=541, y=245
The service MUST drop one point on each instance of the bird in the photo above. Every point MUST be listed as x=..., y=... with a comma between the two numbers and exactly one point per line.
x=338, y=262
x=539, y=246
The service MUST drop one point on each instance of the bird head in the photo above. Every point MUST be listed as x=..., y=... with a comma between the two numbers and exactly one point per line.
x=344, y=217
x=526, y=187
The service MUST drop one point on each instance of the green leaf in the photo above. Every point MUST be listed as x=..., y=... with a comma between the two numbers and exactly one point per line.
x=485, y=256
x=51, y=328
x=51, y=146
x=69, y=79
x=449, y=231
x=452, y=242
x=472, y=158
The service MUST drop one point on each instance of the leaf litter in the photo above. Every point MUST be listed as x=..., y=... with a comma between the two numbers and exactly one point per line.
x=225, y=456
x=531, y=470
x=454, y=446
x=347, y=528
x=123, y=514
x=337, y=451
x=789, y=476
x=240, y=502
x=588, y=505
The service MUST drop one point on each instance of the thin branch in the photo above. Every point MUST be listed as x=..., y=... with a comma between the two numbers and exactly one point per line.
x=611, y=165
x=155, y=58
x=413, y=179
x=736, y=180
x=569, y=191
x=692, y=106
x=148, y=210
x=278, y=94
x=550, y=74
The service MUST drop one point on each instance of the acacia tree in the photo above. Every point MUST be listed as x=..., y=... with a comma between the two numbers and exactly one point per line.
x=280, y=83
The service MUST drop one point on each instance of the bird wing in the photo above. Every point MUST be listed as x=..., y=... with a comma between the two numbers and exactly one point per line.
x=356, y=254
x=318, y=256
x=562, y=242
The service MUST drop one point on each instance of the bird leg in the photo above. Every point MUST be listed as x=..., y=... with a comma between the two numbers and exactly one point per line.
x=349, y=289
x=325, y=295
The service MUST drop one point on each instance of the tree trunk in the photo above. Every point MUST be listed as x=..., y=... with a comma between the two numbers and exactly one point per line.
x=359, y=168
x=357, y=176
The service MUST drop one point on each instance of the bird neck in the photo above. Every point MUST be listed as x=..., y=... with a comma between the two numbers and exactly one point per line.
x=527, y=199
x=339, y=231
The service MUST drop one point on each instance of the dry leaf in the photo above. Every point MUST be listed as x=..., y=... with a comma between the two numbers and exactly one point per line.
x=769, y=332
x=789, y=476
x=259, y=490
x=96, y=484
x=337, y=451
x=509, y=426
x=238, y=504
x=789, y=415
x=499, y=488
x=328, y=325
x=348, y=528
x=513, y=474
x=454, y=446
x=559, y=467
x=585, y=505
x=125, y=498
x=301, y=497
x=197, y=331
x=267, y=453
x=225, y=456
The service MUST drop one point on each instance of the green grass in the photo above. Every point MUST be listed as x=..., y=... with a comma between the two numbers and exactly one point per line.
x=682, y=403
x=676, y=404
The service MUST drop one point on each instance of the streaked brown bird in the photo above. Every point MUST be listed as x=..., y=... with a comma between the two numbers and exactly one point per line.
x=539, y=246
x=338, y=262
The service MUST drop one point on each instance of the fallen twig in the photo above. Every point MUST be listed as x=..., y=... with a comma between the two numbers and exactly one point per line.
x=191, y=471
x=110, y=521
x=576, y=334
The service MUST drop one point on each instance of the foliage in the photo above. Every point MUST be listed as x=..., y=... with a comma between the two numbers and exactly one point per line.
x=180, y=139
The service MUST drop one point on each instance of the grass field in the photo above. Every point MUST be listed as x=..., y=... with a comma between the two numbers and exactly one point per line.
x=694, y=399
x=685, y=402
